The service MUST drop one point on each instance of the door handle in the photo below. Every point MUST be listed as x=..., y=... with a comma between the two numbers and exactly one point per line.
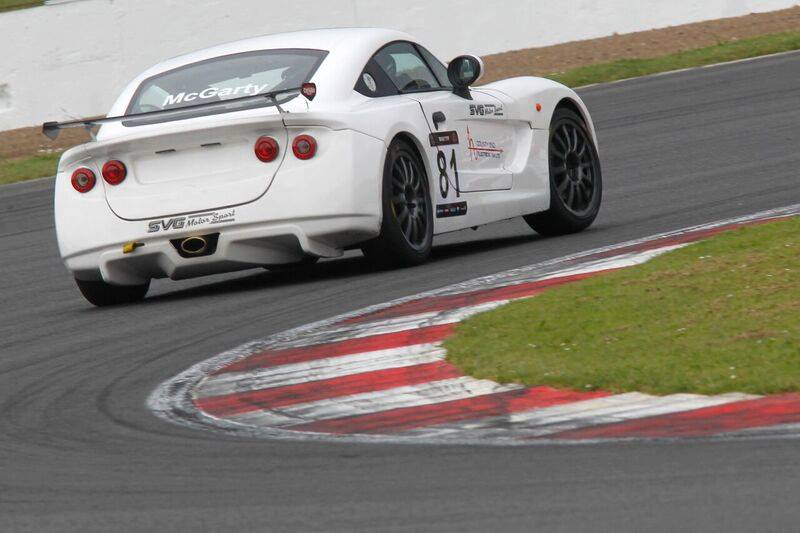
x=438, y=118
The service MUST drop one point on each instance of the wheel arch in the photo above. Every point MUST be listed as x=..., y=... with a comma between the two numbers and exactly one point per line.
x=579, y=108
x=419, y=148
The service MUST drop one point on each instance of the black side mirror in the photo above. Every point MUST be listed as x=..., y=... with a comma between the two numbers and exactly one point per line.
x=462, y=72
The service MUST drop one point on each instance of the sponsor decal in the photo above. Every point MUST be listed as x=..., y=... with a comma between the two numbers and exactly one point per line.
x=482, y=149
x=250, y=89
x=483, y=110
x=444, y=138
x=369, y=81
x=458, y=209
x=191, y=221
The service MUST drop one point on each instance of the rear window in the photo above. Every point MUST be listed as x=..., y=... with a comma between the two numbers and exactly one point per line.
x=225, y=78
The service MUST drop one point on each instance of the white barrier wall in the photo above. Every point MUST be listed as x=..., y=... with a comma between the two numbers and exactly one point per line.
x=70, y=59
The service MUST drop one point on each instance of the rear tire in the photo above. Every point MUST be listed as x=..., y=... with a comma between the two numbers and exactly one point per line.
x=406, y=234
x=576, y=181
x=103, y=294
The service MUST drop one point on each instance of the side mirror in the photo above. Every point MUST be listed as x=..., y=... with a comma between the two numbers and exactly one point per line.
x=462, y=72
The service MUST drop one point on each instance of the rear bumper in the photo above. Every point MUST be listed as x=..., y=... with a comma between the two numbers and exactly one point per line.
x=238, y=248
x=316, y=207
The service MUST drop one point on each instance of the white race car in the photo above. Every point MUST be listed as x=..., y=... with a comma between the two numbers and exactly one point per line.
x=282, y=149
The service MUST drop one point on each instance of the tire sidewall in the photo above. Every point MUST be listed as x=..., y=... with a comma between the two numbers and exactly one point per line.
x=391, y=231
x=556, y=203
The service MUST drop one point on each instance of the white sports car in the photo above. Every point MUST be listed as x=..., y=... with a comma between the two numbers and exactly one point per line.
x=282, y=149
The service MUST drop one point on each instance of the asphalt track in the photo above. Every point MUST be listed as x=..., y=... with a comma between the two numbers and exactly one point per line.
x=79, y=450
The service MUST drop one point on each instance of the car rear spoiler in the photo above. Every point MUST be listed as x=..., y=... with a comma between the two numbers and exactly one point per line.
x=52, y=129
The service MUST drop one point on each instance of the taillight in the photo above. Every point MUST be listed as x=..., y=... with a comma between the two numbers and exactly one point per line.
x=83, y=180
x=304, y=147
x=267, y=149
x=114, y=172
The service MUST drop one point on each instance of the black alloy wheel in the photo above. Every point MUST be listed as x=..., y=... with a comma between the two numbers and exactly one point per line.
x=406, y=235
x=576, y=181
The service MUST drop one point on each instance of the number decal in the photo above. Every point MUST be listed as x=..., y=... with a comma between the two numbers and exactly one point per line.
x=454, y=166
x=444, y=179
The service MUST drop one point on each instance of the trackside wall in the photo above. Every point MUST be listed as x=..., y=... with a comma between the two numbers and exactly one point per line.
x=71, y=58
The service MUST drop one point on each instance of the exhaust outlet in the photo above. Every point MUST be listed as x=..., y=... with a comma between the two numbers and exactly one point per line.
x=196, y=245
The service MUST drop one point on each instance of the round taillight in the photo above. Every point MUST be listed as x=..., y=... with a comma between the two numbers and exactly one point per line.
x=304, y=147
x=83, y=180
x=114, y=172
x=267, y=149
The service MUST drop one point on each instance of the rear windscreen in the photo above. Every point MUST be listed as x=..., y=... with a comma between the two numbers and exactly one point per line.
x=226, y=78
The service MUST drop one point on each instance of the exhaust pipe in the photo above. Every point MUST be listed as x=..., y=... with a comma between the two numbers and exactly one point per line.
x=194, y=245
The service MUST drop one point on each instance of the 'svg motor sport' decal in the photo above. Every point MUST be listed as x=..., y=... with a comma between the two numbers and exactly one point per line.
x=482, y=110
x=191, y=221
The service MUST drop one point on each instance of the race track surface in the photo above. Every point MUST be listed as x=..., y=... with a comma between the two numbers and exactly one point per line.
x=79, y=449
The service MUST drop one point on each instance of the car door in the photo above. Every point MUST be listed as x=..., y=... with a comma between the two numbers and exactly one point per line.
x=470, y=138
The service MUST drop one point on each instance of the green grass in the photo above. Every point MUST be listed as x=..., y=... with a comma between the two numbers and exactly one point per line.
x=719, y=53
x=717, y=316
x=8, y=5
x=20, y=169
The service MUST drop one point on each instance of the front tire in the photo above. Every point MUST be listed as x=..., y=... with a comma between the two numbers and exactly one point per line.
x=576, y=181
x=406, y=234
x=103, y=294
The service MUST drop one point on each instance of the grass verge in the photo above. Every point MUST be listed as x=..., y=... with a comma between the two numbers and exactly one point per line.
x=718, y=316
x=8, y=5
x=719, y=53
x=19, y=169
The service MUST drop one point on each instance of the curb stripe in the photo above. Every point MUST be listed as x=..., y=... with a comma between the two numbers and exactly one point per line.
x=756, y=413
x=319, y=369
x=236, y=404
x=562, y=418
x=432, y=392
x=379, y=374
x=452, y=301
x=578, y=272
x=398, y=420
x=373, y=343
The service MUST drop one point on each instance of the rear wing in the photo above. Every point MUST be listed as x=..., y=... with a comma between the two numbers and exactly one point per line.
x=52, y=129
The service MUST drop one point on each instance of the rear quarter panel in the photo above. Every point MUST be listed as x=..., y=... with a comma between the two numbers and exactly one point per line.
x=527, y=91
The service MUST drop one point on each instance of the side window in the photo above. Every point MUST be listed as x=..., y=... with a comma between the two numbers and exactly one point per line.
x=373, y=82
x=438, y=69
x=405, y=68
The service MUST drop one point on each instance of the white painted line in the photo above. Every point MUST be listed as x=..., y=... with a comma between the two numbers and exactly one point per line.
x=375, y=402
x=318, y=369
x=617, y=261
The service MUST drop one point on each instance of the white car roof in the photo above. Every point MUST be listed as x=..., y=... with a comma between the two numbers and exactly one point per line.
x=349, y=50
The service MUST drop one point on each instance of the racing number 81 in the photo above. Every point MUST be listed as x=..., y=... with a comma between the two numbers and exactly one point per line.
x=444, y=179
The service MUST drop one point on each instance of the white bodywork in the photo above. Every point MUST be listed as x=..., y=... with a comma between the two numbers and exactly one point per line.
x=206, y=178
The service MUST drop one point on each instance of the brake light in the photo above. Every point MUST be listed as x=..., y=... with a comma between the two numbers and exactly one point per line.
x=267, y=149
x=114, y=172
x=83, y=180
x=304, y=147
